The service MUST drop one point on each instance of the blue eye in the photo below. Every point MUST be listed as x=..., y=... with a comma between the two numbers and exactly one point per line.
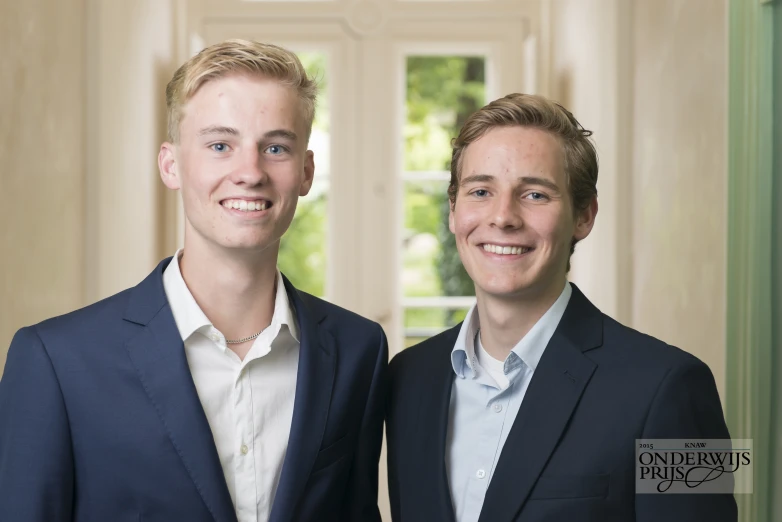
x=275, y=149
x=481, y=193
x=536, y=196
x=219, y=147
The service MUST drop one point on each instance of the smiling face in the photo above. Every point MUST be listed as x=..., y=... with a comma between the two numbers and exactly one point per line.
x=241, y=163
x=513, y=216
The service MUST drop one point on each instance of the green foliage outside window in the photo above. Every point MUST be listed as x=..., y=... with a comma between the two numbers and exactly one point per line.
x=442, y=91
x=302, y=255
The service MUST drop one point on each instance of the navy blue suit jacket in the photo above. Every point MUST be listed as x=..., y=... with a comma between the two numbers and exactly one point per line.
x=570, y=454
x=100, y=420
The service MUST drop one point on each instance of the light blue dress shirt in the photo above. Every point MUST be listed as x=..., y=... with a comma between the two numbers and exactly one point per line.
x=481, y=413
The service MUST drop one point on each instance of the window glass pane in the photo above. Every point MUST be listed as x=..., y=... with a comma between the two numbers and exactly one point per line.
x=442, y=91
x=423, y=232
x=303, y=248
x=422, y=323
x=430, y=262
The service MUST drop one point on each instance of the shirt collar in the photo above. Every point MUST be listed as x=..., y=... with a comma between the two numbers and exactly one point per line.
x=463, y=357
x=529, y=349
x=189, y=317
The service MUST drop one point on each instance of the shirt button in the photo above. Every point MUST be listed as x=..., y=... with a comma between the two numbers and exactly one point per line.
x=497, y=408
x=480, y=474
x=244, y=449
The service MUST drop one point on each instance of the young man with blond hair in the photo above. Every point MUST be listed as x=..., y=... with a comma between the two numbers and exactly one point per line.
x=213, y=390
x=530, y=409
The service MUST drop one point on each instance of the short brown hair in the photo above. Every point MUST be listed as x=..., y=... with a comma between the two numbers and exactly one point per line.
x=233, y=56
x=529, y=110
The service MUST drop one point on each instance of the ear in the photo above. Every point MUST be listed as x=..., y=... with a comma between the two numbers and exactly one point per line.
x=451, y=225
x=166, y=162
x=585, y=220
x=309, y=173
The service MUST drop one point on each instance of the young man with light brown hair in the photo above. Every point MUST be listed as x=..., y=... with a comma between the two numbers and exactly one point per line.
x=213, y=390
x=530, y=409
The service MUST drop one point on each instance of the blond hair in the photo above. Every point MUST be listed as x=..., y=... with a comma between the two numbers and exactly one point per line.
x=237, y=56
x=528, y=110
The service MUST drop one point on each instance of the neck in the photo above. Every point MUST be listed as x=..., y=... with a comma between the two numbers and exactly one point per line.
x=505, y=321
x=236, y=291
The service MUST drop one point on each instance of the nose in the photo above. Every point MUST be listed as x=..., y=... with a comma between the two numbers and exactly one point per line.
x=507, y=212
x=249, y=169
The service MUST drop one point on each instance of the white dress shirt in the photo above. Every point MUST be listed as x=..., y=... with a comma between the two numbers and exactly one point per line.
x=485, y=399
x=249, y=403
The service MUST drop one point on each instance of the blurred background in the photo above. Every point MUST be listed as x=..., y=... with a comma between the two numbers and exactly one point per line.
x=683, y=97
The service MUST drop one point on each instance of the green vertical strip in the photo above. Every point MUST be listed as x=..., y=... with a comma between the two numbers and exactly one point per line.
x=750, y=234
x=776, y=300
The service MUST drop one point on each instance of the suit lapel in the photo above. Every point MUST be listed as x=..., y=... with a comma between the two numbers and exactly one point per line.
x=433, y=416
x=553, y=394
x=158, y=354
x=315, y=380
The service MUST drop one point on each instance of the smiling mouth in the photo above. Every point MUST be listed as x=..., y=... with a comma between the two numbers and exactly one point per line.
x=505, y=250
x=244, y=205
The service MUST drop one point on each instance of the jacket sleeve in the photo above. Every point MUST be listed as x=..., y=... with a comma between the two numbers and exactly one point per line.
x=391, y=456
x=36, y=460
x=686, y=405
x=361, y=496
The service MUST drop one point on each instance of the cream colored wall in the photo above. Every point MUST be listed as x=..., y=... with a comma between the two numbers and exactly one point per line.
x=83, y=115
x=587, y=78
x=130, y=59
x=650, y=78
x=680, y=175
x=42, y=153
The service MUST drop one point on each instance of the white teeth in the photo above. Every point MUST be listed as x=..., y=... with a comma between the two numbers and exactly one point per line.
x=244, y=205
x=505, y=250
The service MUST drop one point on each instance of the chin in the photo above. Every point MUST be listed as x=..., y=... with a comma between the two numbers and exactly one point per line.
x=515, y=289
x=505, y=290
x=248, y=244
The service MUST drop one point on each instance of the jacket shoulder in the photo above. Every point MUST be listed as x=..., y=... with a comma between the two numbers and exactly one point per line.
x=86, y=319
x=645, y=351
x=340, y=320
x=422, y=357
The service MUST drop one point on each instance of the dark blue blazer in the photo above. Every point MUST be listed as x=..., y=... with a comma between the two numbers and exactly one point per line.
x=570, y=454
x=100, y=420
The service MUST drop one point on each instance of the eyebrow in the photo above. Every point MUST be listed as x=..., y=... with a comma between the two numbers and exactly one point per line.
x=219, y=129
x=476, y=178
x=281, y=133
x=523, y=180
x=532, y=180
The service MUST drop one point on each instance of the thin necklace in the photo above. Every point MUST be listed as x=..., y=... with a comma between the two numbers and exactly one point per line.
x=238, y=341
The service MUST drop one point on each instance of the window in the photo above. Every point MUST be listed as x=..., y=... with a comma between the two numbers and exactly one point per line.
x=303, y=249
x=441, y=92
x=399, y=79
